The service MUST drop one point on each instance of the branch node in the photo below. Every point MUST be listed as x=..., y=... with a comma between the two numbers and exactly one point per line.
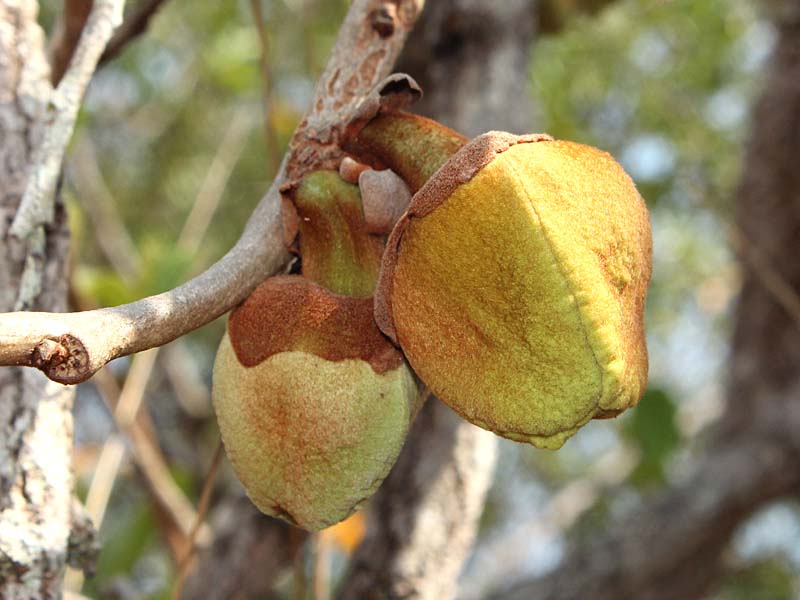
x=396, y=92
x=383, y=20
x=63, y=359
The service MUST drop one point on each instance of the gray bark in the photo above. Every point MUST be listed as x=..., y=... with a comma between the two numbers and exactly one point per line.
x=671, y=549
x=249, y=551
x=470, y=57
x=36, y=509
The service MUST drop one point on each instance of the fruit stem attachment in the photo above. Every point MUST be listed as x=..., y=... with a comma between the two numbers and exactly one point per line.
x=412, y=146
x=337, y=251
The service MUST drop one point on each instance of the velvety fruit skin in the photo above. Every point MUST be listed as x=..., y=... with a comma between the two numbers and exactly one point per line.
x=515, y=286
x=311, y=427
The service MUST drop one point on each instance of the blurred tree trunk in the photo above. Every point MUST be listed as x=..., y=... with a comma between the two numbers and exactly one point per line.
x=249, y=552
x=671, y=549
x=35, y=413
x=471, y=59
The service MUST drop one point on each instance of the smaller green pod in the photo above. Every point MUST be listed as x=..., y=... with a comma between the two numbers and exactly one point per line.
x=313, y=402
x=515, y=285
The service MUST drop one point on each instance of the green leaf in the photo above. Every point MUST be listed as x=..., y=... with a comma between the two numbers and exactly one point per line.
x=767, y=579
x=652, y=427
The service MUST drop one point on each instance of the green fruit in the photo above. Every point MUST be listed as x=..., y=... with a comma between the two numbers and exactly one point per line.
x=313, y=401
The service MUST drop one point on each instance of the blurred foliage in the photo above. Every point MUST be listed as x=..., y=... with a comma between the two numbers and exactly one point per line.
x=653, y=429
x=768, y=579
x=664, y=85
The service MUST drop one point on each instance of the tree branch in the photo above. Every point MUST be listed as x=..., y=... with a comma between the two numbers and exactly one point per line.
x=135, y=24
x=66, y=35
x=36, y=207
x=70, y=24
x=70, y=347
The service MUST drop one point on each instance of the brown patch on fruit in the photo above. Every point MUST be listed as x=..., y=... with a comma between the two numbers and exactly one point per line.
x=290, y=312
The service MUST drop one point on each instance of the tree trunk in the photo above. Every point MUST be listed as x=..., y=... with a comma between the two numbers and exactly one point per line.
x=250, y=550
x=470, y=57
x=35, y=414
x=671, y=548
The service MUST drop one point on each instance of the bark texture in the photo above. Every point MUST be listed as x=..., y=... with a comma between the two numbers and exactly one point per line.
x=671, y=549
x=36, y=510
x=470, y=57
x=249, y=551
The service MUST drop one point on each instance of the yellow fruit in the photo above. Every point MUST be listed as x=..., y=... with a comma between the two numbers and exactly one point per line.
x=515, y=285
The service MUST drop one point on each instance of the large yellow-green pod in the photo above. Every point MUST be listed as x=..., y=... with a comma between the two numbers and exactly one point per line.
x=515, y=285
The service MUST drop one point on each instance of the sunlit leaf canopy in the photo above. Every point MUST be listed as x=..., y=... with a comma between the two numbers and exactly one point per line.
x=665, y=86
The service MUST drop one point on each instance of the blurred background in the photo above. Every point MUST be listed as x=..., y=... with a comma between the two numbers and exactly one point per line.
x=178, y=140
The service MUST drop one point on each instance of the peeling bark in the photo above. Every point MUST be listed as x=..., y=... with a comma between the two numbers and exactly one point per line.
x=35, y=414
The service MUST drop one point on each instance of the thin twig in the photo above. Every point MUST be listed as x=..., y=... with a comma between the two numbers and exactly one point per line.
x=213, y=186
x=270, y=127
x=113, y=451
x=66, y=35
x=767, y=274
x=362, y=56
x=127, y=407
x=133, y=26
x=202, y=510
x=36, y=206
x=321, y=583
x=109, y=230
